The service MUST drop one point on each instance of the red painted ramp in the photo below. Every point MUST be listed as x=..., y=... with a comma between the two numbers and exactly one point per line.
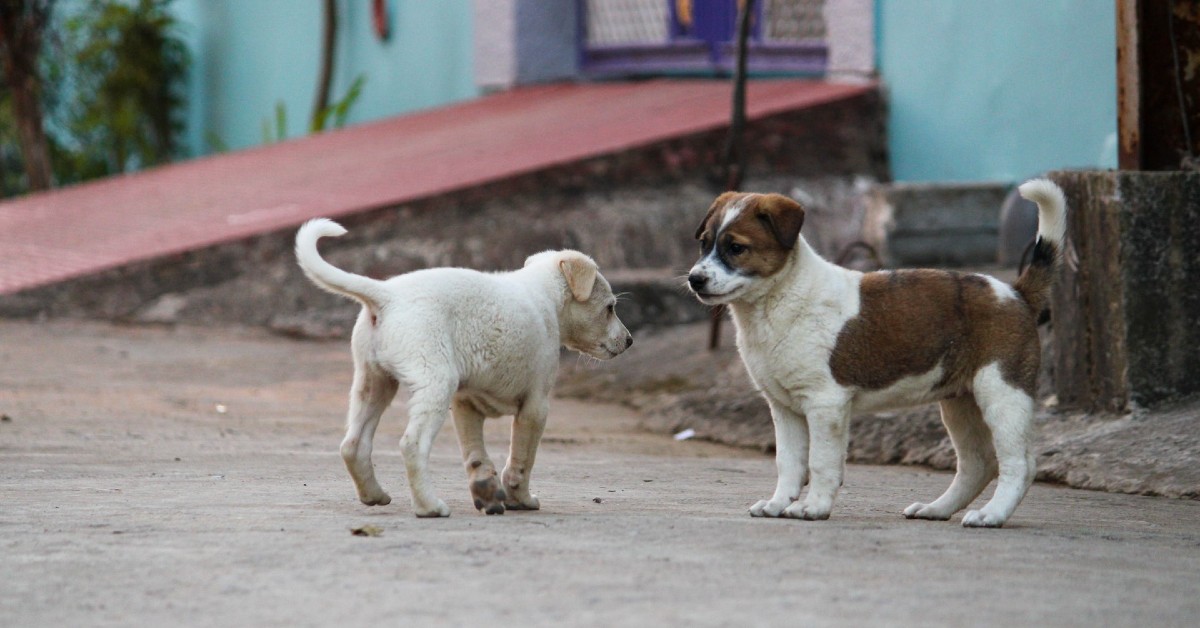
x=93, y=227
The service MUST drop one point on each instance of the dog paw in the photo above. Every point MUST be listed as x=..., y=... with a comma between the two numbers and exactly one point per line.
x=768, y=508
x=807, y=511
x=381, y=499
x=438, y=510
x=980, y=519
x=923, y=511
x=528, y=502
x=489, y=496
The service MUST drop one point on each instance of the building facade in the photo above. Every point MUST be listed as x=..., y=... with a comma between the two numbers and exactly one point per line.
x=978, y=91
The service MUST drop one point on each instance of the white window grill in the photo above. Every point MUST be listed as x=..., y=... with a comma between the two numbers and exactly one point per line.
x=616, y=22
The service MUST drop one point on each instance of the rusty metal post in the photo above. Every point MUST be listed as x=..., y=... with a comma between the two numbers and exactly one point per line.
x=1158, y=94
x=1129, y=93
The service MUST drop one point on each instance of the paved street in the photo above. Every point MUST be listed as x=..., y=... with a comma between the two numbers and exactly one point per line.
x=153, y=476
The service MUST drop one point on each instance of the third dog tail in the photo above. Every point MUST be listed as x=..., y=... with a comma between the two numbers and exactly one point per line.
x=365, y=290
x=1034, y=284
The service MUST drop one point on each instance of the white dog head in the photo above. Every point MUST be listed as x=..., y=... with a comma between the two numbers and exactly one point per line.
x=588, y=320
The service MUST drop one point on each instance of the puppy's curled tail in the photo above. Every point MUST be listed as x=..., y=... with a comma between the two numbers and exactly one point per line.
x=328, y=277
x=1034, y=284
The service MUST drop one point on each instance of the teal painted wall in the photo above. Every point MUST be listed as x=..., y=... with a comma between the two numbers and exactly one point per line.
x=998, y=90
x=250, y=54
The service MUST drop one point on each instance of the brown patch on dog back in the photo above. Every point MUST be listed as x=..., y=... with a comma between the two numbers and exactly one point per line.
x=910, y=321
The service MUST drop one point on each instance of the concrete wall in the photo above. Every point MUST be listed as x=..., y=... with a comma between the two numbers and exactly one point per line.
x=850, y=35
x=584, y=204
x=525, y=41
x=495, y=48
x=251, y=54
x=998, y=91
x=1130, y=298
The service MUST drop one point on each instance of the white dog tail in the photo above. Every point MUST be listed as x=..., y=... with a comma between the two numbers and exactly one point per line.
x=367, y=291
x=1034, y=284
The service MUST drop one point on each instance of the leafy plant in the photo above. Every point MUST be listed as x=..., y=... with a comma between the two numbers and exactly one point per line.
x=280, y=132
x=337, y=113
x=340, y=109
x=24, y=25
x=129, y=70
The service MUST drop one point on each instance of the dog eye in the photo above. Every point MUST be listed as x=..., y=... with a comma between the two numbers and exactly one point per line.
x=612, y=309
x=737, y=249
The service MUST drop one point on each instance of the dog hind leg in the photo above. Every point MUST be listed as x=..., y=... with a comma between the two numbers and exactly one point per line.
x=527, y=428
x=791, y=461
x=427, y=412
x=370, y=395
x=481, y=472
x=976, y=461
x=1008, y=412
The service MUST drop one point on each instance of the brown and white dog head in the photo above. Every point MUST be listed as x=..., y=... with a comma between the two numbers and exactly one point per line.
x=744, y=238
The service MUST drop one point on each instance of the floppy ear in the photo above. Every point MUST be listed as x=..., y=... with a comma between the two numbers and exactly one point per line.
x=580, y=272
x=783, y=217
x=717, y=204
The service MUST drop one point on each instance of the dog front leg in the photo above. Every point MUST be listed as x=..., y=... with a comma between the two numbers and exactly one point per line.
x=481, y=472
x=791, y=460
x=829, y=433
x=527, y=428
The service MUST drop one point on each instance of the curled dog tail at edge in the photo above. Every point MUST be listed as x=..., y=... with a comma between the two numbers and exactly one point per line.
x=328, y=277
x=1034, y=284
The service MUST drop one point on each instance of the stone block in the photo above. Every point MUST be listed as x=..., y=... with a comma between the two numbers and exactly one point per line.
x=1126, y=305
x=927, y=224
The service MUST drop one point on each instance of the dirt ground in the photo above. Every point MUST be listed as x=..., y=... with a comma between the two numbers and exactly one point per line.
x=153, y=476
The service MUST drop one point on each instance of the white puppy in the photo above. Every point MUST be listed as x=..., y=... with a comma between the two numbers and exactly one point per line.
x=822, y=342
x=484, y=345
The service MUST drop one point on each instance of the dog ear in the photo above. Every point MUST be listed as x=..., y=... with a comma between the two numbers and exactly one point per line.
x=783, y=217
x=717, y=204
x=580, y=272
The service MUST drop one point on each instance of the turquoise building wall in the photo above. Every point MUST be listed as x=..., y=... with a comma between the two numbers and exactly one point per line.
x=978, y=90
x=250, y=54
x=998, y=90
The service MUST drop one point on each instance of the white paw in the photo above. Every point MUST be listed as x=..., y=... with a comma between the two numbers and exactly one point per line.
x=377, y=499
x=810, y=511
x=527, y=502
x=980, y=519
x=440, y=509
x=768, y=508
x=923, y=511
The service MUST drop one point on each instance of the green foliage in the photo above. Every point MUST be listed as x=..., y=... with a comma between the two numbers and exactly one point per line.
x=12, y=173
x=276, y=130
x=280, y=131
x=128, y=72
x=112, y=79
x=339, y=110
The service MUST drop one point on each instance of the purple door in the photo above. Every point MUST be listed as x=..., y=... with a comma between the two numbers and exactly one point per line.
x=646, y=37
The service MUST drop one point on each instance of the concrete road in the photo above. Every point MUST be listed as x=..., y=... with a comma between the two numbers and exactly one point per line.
x=191, y=477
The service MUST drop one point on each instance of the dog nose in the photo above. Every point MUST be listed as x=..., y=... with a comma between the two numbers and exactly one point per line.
x=628, y=341
x=697, y=281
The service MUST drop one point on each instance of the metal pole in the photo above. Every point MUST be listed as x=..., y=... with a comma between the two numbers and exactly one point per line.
x=733, y=160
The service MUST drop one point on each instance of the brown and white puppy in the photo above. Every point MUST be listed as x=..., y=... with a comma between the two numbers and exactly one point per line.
x=822, y=342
